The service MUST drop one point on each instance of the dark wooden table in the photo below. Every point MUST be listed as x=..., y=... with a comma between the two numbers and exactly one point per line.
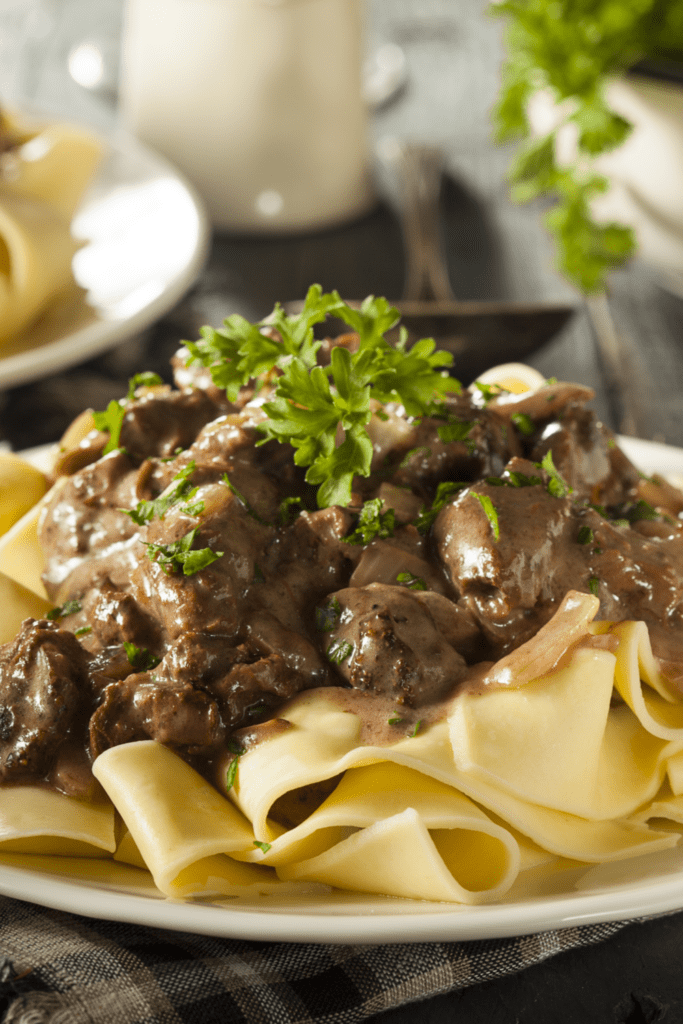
x=495, y=250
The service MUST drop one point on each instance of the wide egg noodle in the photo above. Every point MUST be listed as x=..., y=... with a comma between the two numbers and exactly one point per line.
x=37, y=820
x=54, y=163
x=426, y=840
x=181, y=826
x=21, y=557
x=654, y=704
x=558, y=742
x=36, y=252
x=322, y=742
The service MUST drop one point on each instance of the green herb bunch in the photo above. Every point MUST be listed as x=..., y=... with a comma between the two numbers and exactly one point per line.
x=572, y=48
x=323, y=411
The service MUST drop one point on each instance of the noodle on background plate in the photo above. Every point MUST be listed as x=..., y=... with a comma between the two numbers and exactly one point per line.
x=45, y=169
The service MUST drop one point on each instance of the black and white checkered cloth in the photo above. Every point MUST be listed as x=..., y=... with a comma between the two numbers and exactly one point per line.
x=58, y=968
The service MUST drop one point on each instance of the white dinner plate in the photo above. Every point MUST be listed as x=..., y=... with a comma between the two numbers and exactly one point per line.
x=145, y=236
x=642, y=886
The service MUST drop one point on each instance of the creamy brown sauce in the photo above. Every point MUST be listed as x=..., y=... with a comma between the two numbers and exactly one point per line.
x=391, y=629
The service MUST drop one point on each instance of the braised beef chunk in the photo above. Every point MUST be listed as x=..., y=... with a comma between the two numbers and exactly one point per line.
x=144, y=707
x=466, y=444
x=384, y=639
x=512, y=576
x=555, y=420
x=160, y=424
x=43, y=697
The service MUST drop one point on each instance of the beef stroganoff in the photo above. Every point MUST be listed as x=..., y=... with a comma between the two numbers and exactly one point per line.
x=319, y=615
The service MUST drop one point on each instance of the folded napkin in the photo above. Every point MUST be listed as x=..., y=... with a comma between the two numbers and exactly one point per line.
x=58, y=968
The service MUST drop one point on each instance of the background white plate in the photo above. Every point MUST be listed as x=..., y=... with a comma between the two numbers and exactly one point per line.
x=638, y=887
x=146, y=238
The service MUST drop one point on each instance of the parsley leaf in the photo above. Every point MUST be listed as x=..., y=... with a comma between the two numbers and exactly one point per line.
x=490, y=511
x=323, y=412
x=454, y=430
x=249, y=508
x=288, y=512
x=443, y=492
x=412, y=582
x=524, y=423
x=585, y=535
x=263, y=847
x=574, y=63
x=339, y=651
x=372, y=523
x=83, y=631
x=594, y=585
x=423, y=450
x=140, y=658
x=327, y=618
x=111, y=421
x=142, y=380
x=556, y=485
x=231, y=774
x=489, y=392
x=68, y=608
x=178, y=490
x=179, y=555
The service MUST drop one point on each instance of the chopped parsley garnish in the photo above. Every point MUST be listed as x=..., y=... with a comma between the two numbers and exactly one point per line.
x=415, y=731
x=111, y=421
x=250, y=510
x=517, y=479
x=372, y=523
x=179, y=555
x=525, y=424
x=513, y=479
x=585, y=535
x=231, y=774
x=83, y=631
x=490, y=511
x=263, y=847
x=395, y=720
x=142, y=380
x=179, y=490
x=422, y=450
x=339, y=651
x=642, y=510
x=556, y=485
x=327, y=618
x=490, y=391
x=455, y=430
x=412, y=582
x=443, y=492
x=68, y=608
x=594, y=585
x=288, y=511
x=140, y=658
x=323, y=411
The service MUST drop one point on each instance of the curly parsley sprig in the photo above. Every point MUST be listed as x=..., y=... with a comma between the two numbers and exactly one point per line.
x=571, y=48
x=323, y=411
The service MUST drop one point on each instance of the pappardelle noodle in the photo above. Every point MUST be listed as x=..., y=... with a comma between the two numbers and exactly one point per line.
x=317, y=615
